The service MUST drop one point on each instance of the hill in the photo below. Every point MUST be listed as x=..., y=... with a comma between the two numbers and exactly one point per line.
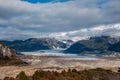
x=8, y=56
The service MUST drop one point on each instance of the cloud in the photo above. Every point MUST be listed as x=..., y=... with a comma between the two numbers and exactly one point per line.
x=26, y=19
x=109, y=30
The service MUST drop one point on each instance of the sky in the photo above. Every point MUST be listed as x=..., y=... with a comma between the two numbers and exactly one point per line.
x=22, y=19
x=45, y=1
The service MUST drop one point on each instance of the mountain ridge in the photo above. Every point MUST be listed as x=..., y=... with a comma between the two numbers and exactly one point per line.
x=94, y=44
x=34, y=44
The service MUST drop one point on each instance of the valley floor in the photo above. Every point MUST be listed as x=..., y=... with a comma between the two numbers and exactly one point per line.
x=58, y=64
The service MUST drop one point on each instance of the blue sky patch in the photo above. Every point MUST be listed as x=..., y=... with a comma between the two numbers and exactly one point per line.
x=44, y=1
x=101, y=2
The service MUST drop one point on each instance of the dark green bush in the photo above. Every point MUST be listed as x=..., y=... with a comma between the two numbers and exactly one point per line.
x=22, y=76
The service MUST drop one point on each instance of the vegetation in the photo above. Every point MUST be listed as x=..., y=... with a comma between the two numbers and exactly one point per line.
x=93, y=74
x=7, y=61
x=22, y=76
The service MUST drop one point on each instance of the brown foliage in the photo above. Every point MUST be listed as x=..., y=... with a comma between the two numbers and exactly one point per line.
x=93, y=74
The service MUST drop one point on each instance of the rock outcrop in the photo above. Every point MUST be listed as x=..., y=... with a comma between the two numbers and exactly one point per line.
x=8, y=56
x=6, y=52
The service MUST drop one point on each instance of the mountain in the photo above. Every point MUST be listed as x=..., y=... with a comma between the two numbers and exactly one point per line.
x=8, y=56
x=68, y=42
x=115, y=47
x=77, y=48
x=106, y=39
x=34, y=44
x=101, y=43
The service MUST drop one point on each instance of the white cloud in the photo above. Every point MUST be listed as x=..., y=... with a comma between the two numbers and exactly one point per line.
x=111, y=30
x=36, y=19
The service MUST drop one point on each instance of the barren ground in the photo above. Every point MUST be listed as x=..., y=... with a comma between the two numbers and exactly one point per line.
x=59, y=64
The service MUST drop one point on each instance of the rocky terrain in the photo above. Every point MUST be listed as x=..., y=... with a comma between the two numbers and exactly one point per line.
x=8, y=56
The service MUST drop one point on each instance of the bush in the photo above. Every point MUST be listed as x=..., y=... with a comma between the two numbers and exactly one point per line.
x=9, y=78
x=92, y=74
x=39, y=75
x=22, y=76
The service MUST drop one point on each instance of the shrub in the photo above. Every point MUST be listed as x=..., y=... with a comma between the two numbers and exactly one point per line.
x=22, y=76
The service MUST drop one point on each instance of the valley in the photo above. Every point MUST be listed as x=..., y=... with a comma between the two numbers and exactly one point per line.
x=58, y=56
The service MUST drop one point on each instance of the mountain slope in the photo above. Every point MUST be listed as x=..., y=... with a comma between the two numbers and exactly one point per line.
x=94, y=43
x=34, y=44
x=8, y=56
x=77, y=48
x=115, y=47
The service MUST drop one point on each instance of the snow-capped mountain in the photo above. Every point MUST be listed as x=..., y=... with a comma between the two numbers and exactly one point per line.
x=110, y=30
x=35, y=44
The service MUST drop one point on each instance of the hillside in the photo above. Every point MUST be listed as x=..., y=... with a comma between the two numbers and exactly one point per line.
x=115, y=47
x=8, y=56
x=93, y=44
x=77, y=48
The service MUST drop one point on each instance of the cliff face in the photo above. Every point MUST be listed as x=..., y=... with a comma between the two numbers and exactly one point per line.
x=8, y=56
x=6, y=52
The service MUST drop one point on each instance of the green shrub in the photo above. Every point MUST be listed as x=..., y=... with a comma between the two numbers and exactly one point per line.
x=22, y=76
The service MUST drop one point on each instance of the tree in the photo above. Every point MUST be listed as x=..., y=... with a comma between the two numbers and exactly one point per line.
x=22, y=76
